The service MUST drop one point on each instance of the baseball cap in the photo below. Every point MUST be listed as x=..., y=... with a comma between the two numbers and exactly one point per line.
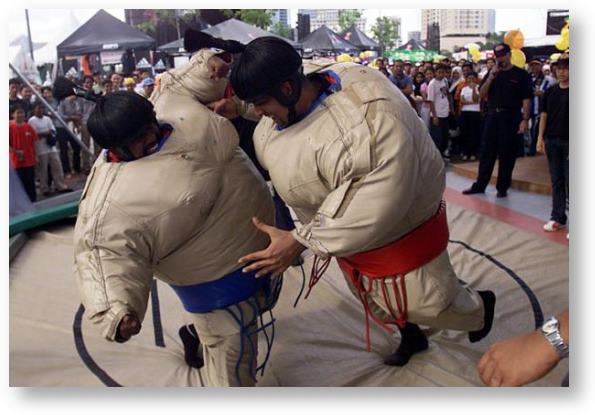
x=535, y=62
x=502, y=51
x=148, y=82
x=129, y=81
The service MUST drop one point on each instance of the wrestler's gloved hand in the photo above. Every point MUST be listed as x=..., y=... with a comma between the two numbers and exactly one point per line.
x=128, y=327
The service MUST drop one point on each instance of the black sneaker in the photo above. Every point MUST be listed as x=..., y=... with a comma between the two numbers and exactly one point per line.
x=501, y=193
x=192, y=348
x=472, y=190
x=489, y=304
x=413, y=341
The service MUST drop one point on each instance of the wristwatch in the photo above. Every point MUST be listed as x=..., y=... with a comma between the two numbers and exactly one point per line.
x=551, y=331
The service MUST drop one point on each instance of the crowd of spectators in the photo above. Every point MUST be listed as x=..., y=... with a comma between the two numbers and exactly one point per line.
x=47, y=156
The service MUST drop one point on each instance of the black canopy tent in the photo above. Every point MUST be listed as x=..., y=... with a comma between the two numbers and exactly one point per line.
x=325, y=40
x=359, y=39
x=231, y=29
x=105, y=33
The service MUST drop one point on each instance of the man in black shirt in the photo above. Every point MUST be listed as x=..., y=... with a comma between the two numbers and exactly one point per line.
x=554, y=136
x=508, y=90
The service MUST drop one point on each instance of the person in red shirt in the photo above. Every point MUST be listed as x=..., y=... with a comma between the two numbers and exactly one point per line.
x=22, y=139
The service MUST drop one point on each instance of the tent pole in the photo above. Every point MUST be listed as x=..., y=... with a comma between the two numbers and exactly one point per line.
x=50, y=109
x=29, y=33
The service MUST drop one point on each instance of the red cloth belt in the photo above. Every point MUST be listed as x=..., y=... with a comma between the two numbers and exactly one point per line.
x=388, y=265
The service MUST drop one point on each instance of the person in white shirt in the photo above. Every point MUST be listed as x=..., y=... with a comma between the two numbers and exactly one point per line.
x=46, y=151
x=470, y=120
x=440, y=107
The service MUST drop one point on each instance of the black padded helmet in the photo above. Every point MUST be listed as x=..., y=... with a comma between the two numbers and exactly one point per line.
x=118, y=119
x=263, y=66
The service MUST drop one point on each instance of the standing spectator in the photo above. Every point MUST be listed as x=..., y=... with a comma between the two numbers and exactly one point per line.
x=407, y=69
x=426, y=111
x=117, y=80
x=13, y=96
x=148, y=85
x=400, y=79
x=46, y=151
x=97, y=83
x=27, y=103
x=86, y=107
x=107, y=87
x=440, y=108
x=508, y=89
x=546, y=70
x=129, y=84
x=554, y=135
x=70, y=111
x=381, y=62
x=466, y=68
x=540, y=83
x=21, y=139
x=470, y=119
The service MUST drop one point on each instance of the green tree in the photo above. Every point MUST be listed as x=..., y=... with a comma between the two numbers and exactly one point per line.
x=386, y=32
x=167, y=16
x=492, y=39
x=281, y=29
x=258, y=17
x=347, y=17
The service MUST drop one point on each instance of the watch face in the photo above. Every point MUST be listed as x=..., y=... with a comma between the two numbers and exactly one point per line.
x=550, y=326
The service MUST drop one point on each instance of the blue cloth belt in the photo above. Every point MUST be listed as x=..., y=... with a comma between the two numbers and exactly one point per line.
x=214, y=295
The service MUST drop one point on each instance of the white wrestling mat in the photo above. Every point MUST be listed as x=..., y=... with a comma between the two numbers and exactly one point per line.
x=319, y=343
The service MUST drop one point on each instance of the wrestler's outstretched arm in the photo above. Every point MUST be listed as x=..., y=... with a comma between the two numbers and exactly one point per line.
x=114, y=273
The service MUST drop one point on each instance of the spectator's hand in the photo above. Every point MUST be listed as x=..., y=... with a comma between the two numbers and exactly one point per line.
x=435, y=121
x=538, y=93
x=517, y=361
x=225, y=107
x=277, y=257
x=523, y=127
x=128, y=327
x=540, y=144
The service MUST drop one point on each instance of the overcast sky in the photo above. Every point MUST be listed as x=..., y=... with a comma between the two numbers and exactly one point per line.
x=47, y=24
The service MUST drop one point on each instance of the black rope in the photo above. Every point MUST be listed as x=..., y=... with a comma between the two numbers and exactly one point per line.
x=536, y=307
x=81, y=349
x=157, y=326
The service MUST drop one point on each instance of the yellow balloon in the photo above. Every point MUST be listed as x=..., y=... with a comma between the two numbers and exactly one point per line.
x=475, y=55
x=518, y=58
x=515, y=39
x=555, y=56
x=562, y=44
x=344, y=58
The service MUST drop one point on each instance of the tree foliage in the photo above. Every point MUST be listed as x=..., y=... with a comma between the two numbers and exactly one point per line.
x=282, y=30
x=258, y=17
x=167, y=16
x=386, y=32
x=348, y=17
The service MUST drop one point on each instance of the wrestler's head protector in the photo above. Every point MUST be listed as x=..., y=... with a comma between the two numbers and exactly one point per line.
x=264, y=65
x=120, y=118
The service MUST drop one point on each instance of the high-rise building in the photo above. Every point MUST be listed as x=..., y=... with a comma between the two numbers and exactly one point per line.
x=458, y=26
x=415, y=35
x=280, y=15
x=329, y=18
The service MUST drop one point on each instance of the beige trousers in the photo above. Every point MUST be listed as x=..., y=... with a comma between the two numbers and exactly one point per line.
x=435, y=298
x=52, y=159
x=222, y=344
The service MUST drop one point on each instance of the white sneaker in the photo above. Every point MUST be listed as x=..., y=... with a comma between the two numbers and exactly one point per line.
x=465, y=158
x=553, y=226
